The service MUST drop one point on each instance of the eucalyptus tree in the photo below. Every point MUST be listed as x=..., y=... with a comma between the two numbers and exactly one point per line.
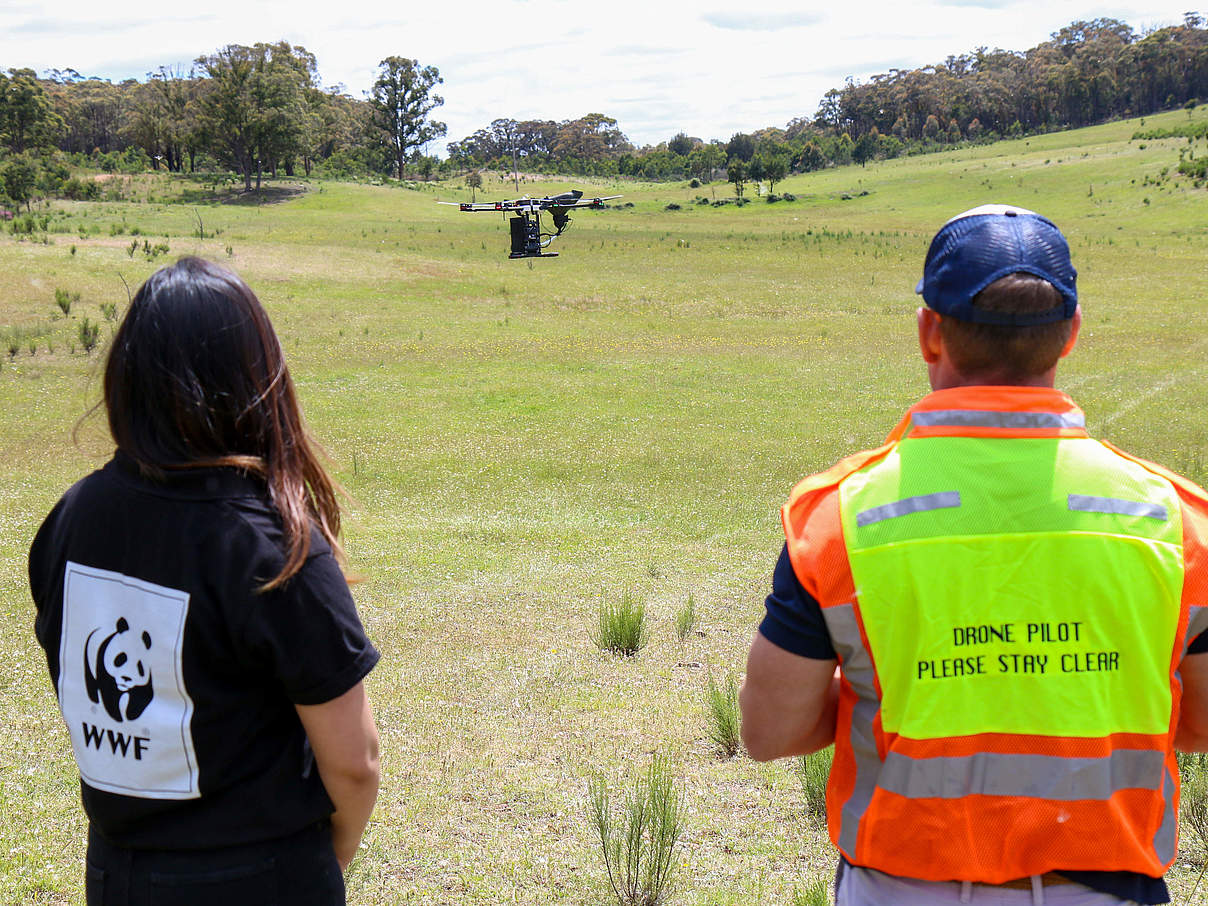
x=400, y=101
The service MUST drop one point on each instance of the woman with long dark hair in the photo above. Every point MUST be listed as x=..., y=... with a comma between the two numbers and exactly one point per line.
x=205, y=650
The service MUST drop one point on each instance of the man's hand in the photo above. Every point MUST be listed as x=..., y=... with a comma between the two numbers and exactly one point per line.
x=788, y=702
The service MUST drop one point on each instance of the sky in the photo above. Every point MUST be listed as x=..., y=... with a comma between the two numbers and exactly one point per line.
x=707, y=68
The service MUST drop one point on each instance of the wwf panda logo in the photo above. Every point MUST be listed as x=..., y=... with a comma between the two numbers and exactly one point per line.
x=116, y=671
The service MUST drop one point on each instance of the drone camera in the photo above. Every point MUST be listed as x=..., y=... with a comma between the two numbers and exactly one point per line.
x=561, y=218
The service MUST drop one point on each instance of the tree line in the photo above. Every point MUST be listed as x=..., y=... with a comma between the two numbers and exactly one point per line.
x=1086, y=73
x=246, y=109
x=262, y=109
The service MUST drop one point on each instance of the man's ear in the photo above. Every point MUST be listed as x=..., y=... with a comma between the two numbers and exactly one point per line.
x=930, y=340
x=1075, y=326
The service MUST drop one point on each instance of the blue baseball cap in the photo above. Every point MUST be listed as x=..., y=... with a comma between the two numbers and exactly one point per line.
x=975, y=248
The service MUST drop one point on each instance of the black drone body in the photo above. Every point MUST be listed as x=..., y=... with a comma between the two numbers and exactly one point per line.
x=528, y=241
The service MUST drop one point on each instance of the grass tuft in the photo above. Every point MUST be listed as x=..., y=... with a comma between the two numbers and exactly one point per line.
x=685, y=619
x=725, y=725
x=90, y=334
x=814, y=894
x=638, y=845
x=814, y=770
x=621, y=626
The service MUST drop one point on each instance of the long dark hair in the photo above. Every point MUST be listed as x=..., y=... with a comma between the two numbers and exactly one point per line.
x=196, y=378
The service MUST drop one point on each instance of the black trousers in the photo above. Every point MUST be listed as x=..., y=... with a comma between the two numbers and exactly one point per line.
x=298, y=870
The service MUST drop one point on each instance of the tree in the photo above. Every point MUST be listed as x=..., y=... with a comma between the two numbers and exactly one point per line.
x=737, y=174
x=19, y=178
x=682, y=144
x=27, y=117
x=741, y=146
x=474, y=183
x=253, y=113
x=865, y=148
x=775, y=168
x=401, y=100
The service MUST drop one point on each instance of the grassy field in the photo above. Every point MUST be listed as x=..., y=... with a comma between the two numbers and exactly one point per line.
x=522, y=443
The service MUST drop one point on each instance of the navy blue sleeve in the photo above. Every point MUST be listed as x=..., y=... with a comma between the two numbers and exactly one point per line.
x=794, y=619
x=1199, y=644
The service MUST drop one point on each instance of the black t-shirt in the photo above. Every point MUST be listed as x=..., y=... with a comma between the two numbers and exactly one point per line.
x=794, y=622
x=176, y=677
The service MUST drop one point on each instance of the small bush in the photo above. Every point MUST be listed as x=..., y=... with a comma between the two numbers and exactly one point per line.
x=725, y=725
x=65, y=300
x=90, y=334
x=81, y=189
x=639, y=844
x=672, y=206
x=109, y=310
x=685, y=619
x=771, y=198
x=814, y=771
x=788, y=196
x=621, y=626
x=695, y=184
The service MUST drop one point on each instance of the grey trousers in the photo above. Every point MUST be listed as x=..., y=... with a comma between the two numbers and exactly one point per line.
x=868, y=887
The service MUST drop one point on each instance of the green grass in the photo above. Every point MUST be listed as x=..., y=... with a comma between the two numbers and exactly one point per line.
x=518, y=442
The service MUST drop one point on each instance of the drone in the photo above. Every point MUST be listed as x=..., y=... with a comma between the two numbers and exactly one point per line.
x=528, y=241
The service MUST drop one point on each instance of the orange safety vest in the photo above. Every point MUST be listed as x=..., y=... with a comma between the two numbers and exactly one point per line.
x=976, y=739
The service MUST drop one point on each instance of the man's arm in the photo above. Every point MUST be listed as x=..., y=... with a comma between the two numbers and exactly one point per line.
x=788, y=702
x=344, y=738
x=1192, y=734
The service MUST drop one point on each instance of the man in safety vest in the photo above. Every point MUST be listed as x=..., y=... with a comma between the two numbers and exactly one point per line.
x=1015, y=608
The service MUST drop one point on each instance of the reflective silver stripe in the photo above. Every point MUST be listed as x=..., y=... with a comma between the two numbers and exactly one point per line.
x=859, y=672
x=1083, y=503
x=1035, y=776
x=1164, y=838
x=907, y=505
x=987, y=418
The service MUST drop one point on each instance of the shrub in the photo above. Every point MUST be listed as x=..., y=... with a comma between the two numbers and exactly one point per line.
x=621, y=626
x=90, y=334
x=685, y=619
x=814, y=770
x=638, y=845
x=724, y=723
x=788, y=196
x=109, y=310
x=771, y=198
x=695, y=184
x=65, y=300
x=81, y=189
x=672, y=206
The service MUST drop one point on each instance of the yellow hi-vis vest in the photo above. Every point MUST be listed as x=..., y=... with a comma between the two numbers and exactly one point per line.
x=1009, y=601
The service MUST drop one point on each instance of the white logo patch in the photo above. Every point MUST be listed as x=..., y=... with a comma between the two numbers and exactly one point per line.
x=121, y=687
